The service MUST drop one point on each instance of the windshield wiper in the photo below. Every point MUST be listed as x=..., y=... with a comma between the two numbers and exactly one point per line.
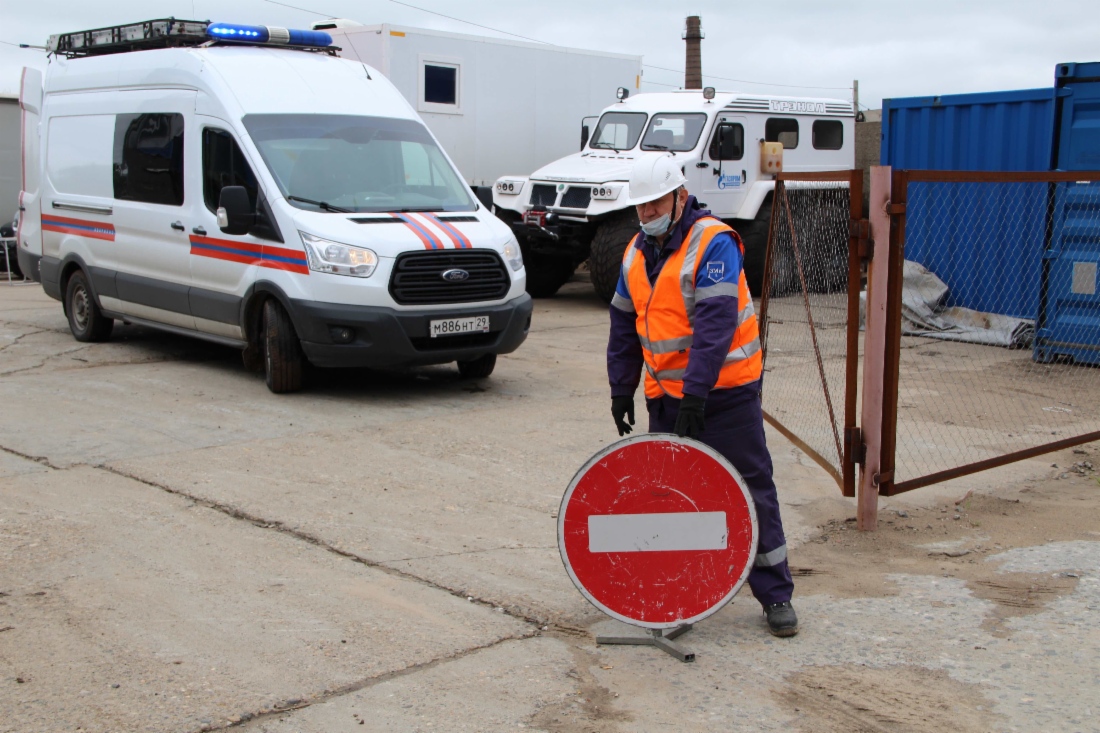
x=605, y=146
x=320, y=204
x=654, y=146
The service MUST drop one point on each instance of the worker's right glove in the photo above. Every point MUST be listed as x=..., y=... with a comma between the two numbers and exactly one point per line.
x=689, y=421
x=622, y=408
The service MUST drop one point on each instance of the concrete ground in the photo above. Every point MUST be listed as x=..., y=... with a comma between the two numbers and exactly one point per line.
x=181, y=550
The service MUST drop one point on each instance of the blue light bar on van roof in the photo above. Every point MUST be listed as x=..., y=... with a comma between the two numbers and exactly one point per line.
x=268, y=34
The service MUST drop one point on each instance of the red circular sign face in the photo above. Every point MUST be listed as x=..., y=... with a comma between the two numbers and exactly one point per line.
x=657, y=531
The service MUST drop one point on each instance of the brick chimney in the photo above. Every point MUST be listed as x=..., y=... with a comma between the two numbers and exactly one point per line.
x=693, y=65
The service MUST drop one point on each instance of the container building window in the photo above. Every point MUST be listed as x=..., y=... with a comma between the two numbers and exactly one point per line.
x=782, y=130
x=828, y=135
x=440, y=84
x=148, y=158
x=223, y=164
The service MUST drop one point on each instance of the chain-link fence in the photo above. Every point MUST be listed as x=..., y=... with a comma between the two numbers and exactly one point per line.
x=808, y=304
x=999, y=320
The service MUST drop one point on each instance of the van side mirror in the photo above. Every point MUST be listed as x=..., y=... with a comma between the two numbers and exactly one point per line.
x=584, y=136
x=235, y=214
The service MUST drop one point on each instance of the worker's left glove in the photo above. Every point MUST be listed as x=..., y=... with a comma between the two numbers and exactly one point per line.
x=689, y=421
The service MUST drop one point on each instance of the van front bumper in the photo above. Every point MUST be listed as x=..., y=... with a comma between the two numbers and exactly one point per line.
x=388, y=338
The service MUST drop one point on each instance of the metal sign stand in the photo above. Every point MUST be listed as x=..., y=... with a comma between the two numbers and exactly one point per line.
x=660, y=638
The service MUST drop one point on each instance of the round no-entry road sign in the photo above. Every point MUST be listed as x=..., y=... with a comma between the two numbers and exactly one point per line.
x=657, y=531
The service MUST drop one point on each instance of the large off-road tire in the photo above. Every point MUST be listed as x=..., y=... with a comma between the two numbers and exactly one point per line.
x=606, y=258
x=283, y=359
x=546, y=273
x=86, y=321
x=754, y=235
x=478, y=368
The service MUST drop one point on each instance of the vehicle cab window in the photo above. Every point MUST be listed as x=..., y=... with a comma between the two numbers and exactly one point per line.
x=223, y=164
x=618, y=130
x=676, y=132
x=728, y=142
x=782, y=130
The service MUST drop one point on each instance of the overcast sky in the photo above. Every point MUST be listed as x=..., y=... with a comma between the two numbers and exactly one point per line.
x=895, y=48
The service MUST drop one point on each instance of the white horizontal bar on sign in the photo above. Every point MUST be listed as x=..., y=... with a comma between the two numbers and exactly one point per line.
x=657, y=532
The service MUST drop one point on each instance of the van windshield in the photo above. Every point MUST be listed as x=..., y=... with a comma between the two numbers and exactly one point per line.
x=357, y=163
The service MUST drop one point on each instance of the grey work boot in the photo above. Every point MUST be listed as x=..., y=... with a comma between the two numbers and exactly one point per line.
x=782, y=620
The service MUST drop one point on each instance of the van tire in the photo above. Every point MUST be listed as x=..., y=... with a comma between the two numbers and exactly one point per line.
x=606, y=259
x=478, y=368
x=546, y=273
x=282, y=351
x=86, y=320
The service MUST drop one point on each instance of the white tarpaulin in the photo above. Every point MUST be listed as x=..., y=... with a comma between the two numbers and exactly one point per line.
x=923, y=314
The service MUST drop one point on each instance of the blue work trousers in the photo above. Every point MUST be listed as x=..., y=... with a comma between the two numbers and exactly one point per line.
x=735, y=428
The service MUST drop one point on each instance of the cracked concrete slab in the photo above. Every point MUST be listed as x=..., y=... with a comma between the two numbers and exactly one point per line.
x=506, y=688
x=134, y=609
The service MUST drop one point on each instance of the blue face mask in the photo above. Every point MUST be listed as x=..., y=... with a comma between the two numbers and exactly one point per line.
x=658, y=226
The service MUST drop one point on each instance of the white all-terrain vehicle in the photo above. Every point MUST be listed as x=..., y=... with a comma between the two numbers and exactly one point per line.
x=578, y=207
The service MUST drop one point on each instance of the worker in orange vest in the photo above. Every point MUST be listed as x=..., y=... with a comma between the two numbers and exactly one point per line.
x=682, y=312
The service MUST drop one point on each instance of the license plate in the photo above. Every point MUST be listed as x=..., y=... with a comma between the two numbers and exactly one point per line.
x=459, y=326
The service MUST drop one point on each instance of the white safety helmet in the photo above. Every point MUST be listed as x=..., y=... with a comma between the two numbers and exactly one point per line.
x=653, y=176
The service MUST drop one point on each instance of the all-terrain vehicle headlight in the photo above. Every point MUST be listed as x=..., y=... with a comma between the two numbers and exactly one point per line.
x=509, y=187
x=606, y=191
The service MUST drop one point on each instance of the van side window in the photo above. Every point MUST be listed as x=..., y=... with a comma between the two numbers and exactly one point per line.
x=782, y=130
x=828, y=135
x=728, y=142
x=223, y=164
x=148, y=158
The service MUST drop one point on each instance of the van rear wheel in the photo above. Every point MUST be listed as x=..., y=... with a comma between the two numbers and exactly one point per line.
x=86, y=320
x=606, y=259
x=282, y=351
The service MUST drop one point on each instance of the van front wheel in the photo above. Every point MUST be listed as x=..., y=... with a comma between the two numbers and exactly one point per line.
x=478, y=368
x=282, y=351
x=86, y=321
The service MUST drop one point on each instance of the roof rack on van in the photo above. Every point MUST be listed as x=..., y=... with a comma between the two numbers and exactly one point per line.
x=173, y=33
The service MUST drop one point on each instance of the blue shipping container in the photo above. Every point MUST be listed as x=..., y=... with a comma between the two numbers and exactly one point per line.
x=1069, y=314
x=987, y=241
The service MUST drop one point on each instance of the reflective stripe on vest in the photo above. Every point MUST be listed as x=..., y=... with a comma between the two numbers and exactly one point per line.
x=665, y=314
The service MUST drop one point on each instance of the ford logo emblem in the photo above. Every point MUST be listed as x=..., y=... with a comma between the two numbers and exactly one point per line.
x=456, y=276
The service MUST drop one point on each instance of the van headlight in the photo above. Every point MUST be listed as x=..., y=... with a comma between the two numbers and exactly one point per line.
x=338, y=259
x=513, y=255
x=606, y=191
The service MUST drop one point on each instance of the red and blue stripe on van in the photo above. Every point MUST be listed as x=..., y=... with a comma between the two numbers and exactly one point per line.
x=82, y=227
x=247, y=253
x=419, y=225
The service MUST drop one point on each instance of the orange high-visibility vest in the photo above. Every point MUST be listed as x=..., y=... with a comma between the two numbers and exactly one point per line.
x=666, y=315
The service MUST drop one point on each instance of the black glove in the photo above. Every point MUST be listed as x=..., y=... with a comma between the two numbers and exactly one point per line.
x=622, y=408
x=689, y=421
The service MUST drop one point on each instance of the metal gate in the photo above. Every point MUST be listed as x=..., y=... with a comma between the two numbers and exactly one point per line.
x=809, y=316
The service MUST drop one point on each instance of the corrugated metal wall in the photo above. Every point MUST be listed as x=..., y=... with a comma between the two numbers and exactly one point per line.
x=994, y=131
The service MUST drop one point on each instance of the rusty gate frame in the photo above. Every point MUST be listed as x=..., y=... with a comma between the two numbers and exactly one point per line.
x=891, y=189
x=849, y=443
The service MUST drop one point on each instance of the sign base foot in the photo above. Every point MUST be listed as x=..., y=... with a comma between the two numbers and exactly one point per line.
x=660, y=638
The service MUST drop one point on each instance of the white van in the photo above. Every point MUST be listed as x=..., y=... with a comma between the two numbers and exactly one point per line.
x=260, y=193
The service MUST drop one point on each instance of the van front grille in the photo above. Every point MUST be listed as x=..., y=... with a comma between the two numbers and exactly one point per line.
x=417, y=277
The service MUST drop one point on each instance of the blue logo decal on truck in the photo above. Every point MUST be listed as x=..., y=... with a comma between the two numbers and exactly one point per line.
x=725, y=181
